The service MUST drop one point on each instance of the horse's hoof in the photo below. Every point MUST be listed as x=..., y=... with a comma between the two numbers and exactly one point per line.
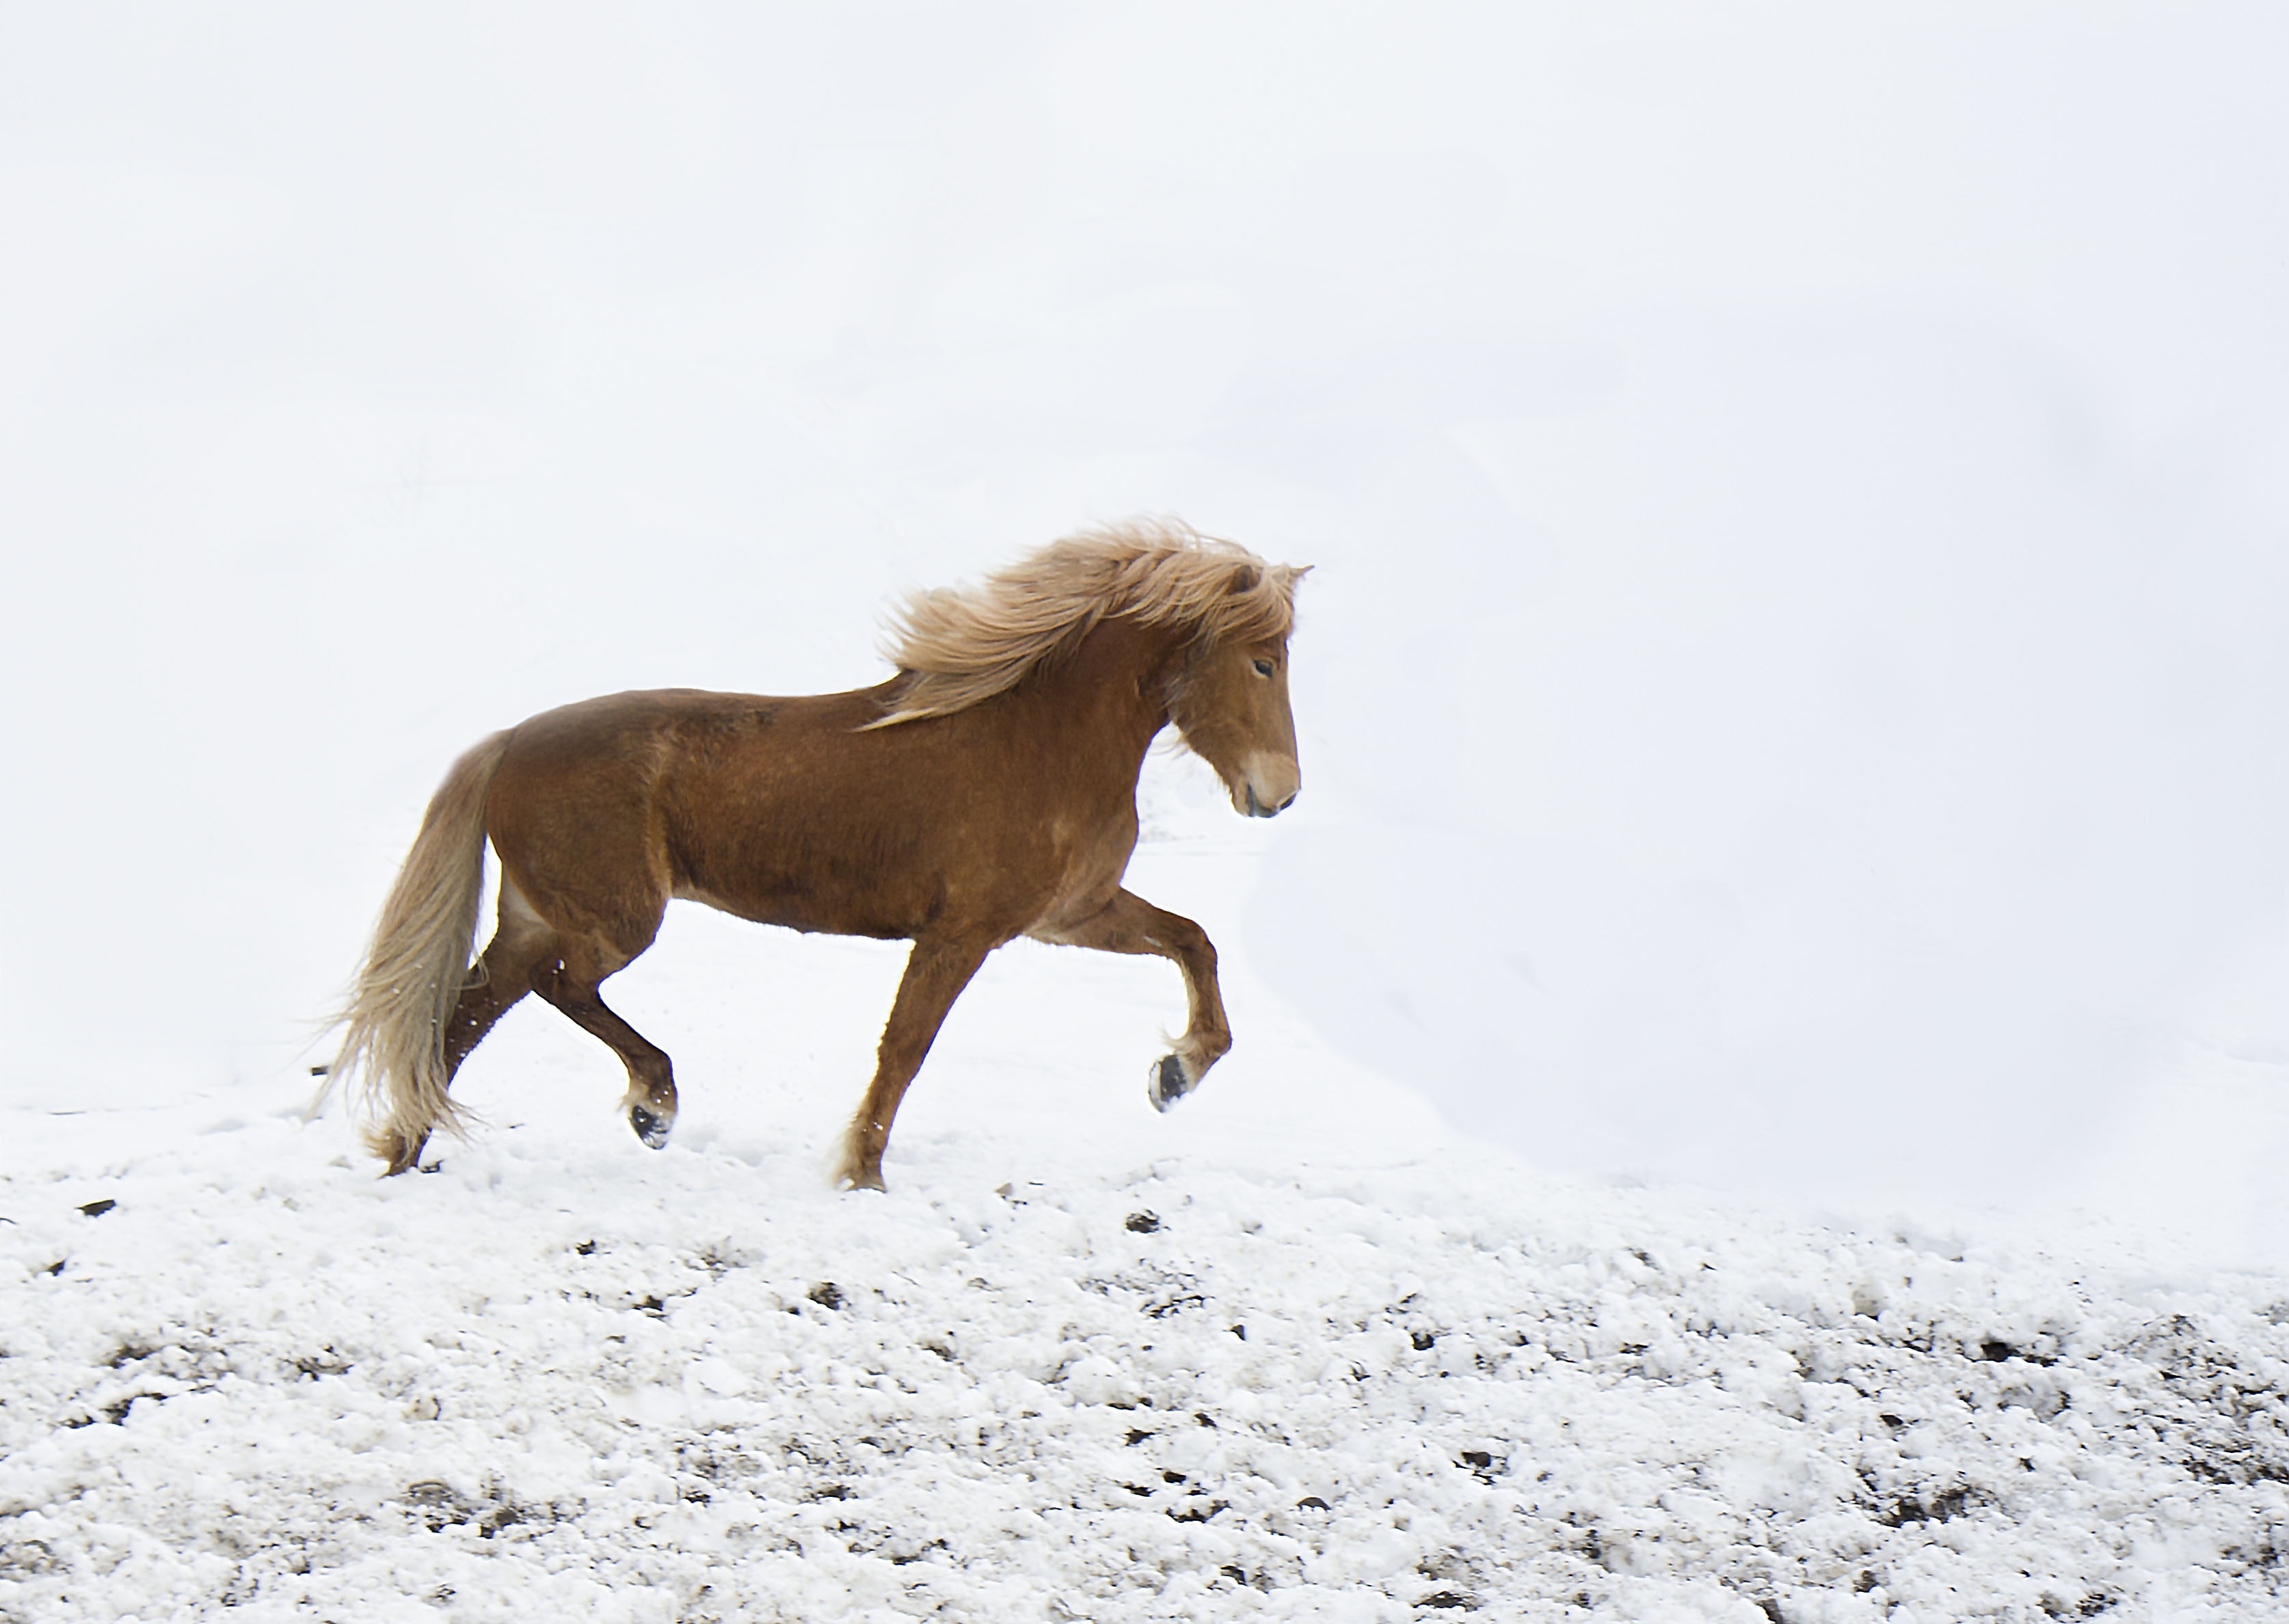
x=1170, y=1083
x=650, y=1127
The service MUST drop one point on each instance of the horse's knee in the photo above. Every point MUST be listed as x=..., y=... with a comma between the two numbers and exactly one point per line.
x=1188, y=946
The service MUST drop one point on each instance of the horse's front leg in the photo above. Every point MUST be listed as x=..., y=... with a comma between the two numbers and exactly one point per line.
x=937, y=971
x=1128, y=923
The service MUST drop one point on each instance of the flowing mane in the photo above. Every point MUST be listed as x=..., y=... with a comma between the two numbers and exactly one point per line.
x=956, y=646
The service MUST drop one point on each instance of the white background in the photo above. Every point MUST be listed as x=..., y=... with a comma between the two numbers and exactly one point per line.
x=1794, y=689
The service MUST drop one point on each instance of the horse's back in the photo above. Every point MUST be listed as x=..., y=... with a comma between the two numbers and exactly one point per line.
x=647, y=735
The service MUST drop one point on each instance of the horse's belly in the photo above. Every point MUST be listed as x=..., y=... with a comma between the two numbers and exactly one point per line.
x=972, y=870
x=806, y=911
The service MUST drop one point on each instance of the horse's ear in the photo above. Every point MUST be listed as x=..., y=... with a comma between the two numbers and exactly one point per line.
x=1244, y=579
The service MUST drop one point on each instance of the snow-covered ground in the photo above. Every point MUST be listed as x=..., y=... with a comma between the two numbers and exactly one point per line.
x=1294, y=1351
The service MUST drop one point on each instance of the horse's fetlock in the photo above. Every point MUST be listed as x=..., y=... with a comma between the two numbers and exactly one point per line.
x=859, y=1172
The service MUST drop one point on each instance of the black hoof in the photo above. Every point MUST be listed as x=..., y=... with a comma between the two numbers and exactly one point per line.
x=650, y=1129
x=1170, y=1083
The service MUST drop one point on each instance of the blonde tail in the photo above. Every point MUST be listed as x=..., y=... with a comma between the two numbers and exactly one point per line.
x=392, y=1054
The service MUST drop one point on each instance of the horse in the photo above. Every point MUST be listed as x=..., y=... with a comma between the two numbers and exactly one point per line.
x=987, y=791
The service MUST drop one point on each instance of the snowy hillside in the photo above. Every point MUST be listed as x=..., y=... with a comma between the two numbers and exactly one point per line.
x=1291, y=1352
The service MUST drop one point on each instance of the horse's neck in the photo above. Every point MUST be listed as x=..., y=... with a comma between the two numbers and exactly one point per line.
x=1112, y=696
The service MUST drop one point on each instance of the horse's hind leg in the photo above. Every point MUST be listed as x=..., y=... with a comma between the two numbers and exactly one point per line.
x=569, y=982
x=520, y=940
x=1128, y=923
x=504, y=976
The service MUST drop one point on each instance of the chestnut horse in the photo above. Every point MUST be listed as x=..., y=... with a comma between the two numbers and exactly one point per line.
x=986, y=791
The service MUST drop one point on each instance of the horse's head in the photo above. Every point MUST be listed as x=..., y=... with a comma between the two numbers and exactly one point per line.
x=1230, y=704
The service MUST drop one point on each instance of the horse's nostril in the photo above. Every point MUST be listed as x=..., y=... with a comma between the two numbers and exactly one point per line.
x=1290, y=801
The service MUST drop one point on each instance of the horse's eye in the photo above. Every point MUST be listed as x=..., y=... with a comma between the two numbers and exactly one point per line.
x=1263, y=668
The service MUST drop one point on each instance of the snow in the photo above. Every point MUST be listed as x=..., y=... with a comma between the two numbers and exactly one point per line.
x=1294, y=1351
x=1785, y=927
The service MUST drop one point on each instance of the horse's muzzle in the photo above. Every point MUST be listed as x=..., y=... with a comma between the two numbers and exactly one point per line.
x=1268, y=785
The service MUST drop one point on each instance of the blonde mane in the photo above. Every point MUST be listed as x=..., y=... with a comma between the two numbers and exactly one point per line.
x=956, y=646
